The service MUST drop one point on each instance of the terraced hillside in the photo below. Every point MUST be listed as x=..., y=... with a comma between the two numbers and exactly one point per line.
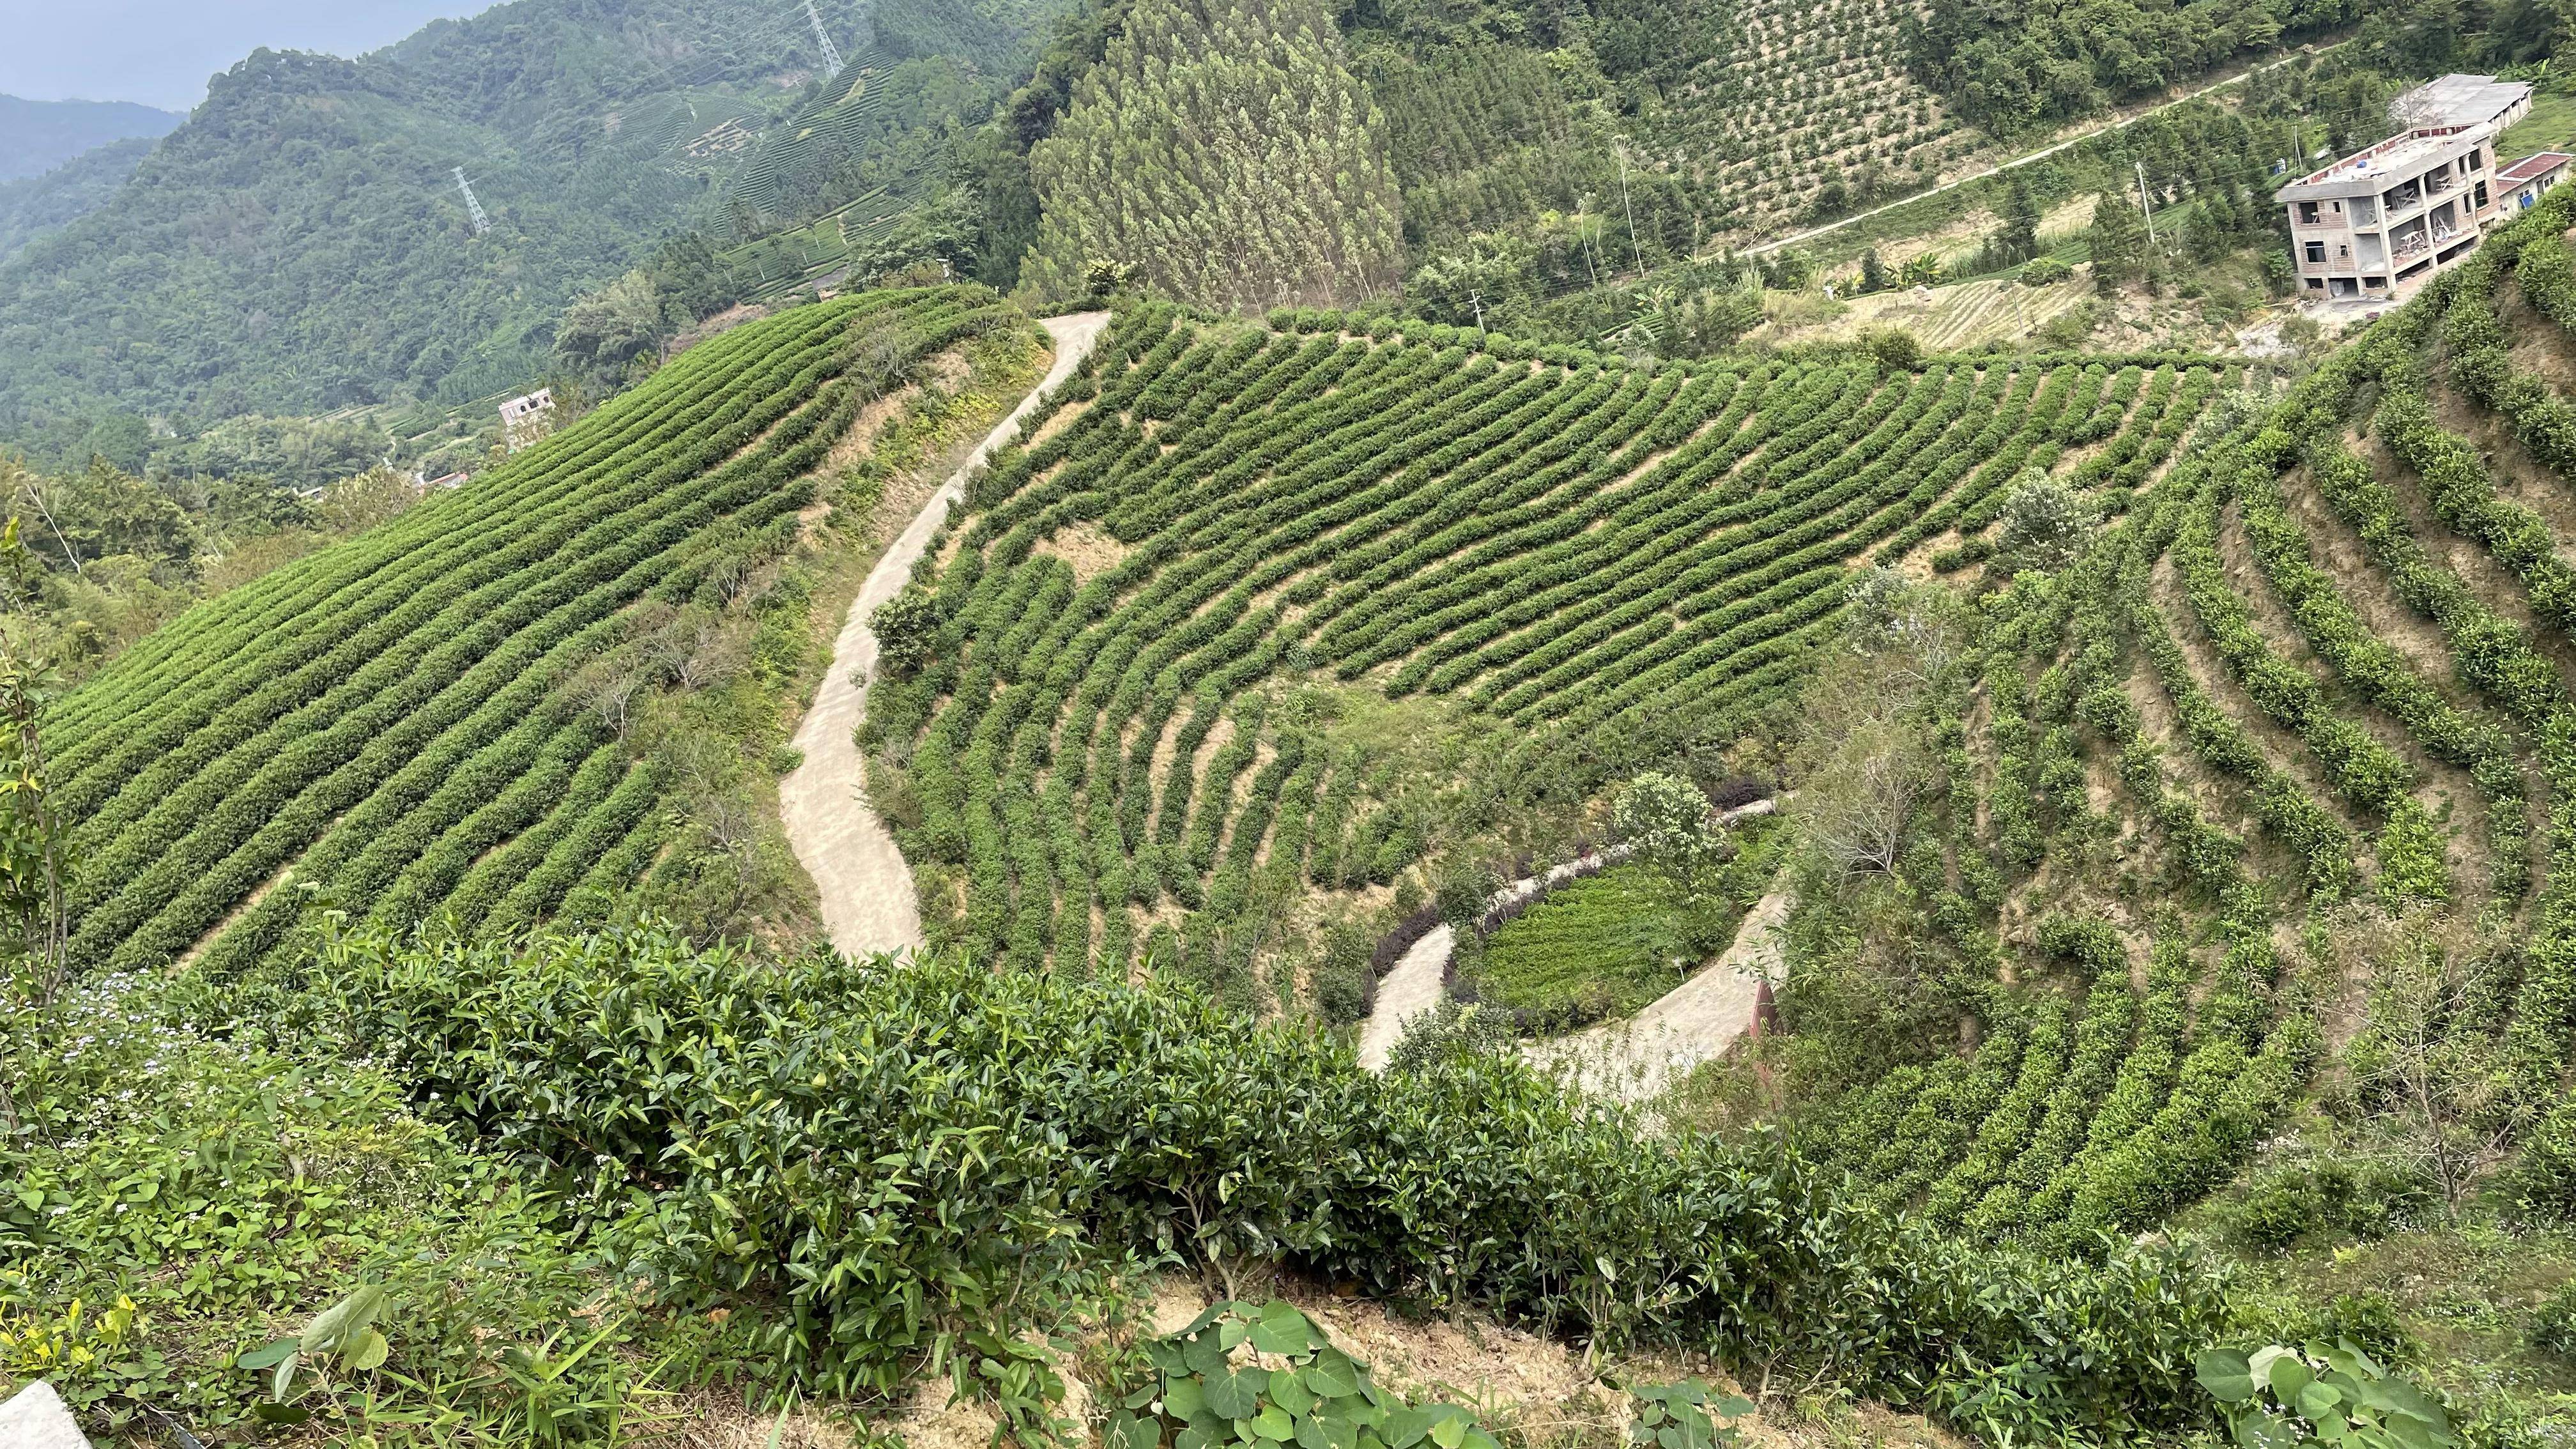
x=1197, y=630
x=2299, y=729
x=431, y=718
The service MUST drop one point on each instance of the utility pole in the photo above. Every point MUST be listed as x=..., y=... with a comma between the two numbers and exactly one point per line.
x=2144, y=207
x=823, y=38
x=1476, y=299
x=1629, y=207
x=473, y=208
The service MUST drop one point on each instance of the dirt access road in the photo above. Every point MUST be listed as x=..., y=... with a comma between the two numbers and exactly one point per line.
x=2077, y=139
x=1632, y=1059
x=866, y=889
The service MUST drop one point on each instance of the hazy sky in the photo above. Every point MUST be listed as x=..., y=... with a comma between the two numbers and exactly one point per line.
x=160, y=52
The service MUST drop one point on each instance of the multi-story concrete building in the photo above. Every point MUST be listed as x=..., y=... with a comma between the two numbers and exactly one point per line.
x=526, y=420
x=2378, y=223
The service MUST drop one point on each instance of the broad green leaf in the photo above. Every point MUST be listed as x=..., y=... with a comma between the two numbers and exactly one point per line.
x=2319, y=1401
x=1141, y=1397
x=1126, y=1431
x=268, y=1413
x=1185, y=1400
x=284, y=1378
x=2264, y=1431
x=2224, y=1372
x=1199, y=1324
x=1405, y=1427
x=366, y=1352
x=1193, y=1437
x=1236, y=1396
x=2289, y=1377
x=1332, y=1374
x=267, y=1355
x=1288, y=1393
x=1205, y=1357
x=340, y=1322
x=1285, y=1336
x=1339, y=1430
x=1451, y=1431
x=1273, y=1423
x=2362, y=1362
x=1231, y=1335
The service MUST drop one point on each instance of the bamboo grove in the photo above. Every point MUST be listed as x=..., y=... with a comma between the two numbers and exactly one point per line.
x=1108, y=751
x=388, y=727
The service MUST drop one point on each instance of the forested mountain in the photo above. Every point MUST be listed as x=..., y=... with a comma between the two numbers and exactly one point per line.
x=34, y=205
x=302, y=244
x=37, y=136
x=1223, y=151
x=1535, y=148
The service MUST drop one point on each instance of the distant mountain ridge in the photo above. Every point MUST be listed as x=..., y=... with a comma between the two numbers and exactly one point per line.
x=37, y=136
x=36, y=206
x=301, y=243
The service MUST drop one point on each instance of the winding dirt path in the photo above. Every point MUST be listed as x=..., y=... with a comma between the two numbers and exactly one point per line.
x=1692, y=1023
x=1412, y=986
x=1632, y=1059
x=866, y=889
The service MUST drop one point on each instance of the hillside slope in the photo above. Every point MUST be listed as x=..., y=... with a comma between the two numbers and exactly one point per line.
x=37, y=205
x=301, y=243
x=1279, y=610
x=2259, y=805
x=37, y=136
x=443, y=715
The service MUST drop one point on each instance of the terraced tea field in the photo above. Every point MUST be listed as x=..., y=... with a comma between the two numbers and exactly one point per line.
x=2324, y=661
x=1110, y=739
x=394, y=723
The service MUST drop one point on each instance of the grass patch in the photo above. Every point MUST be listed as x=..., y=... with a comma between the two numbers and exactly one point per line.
x=1608, y=945
x=2550, y=127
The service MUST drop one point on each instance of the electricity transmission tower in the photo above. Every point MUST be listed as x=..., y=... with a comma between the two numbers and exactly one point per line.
x=473, y=208
x=823, y=38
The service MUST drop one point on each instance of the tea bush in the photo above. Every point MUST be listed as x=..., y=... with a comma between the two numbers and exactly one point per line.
x=738, y=1131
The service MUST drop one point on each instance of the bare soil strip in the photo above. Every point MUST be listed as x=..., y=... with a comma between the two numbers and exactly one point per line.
x=866, y=888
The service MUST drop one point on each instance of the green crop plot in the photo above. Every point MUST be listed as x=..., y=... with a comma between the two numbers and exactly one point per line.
x=1543, y=544
x=388, y=719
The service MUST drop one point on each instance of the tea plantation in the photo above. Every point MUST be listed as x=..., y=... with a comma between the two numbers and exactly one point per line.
x=1564, y=546
x=2189, y=895
x=391, y=723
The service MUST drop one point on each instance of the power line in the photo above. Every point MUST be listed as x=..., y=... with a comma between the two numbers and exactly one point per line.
x=823, y=38
x=473, y=208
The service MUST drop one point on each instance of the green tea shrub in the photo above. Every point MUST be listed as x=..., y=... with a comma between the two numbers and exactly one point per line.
x=732, y=1127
